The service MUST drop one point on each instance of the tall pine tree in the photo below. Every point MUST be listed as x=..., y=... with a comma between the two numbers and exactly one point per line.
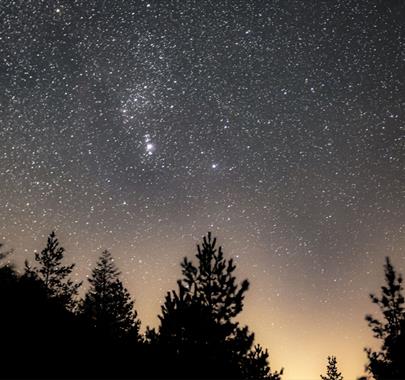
x=389, y=362
x=332, y=372
x=54, y=276
x=198, y=326
x=107, y=303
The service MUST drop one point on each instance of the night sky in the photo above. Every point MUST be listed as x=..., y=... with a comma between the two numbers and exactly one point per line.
x=137, y=126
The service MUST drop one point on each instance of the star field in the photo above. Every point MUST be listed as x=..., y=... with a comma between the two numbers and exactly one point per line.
x=137, y=126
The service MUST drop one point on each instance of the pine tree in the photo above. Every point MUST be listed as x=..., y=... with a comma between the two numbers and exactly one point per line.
x=389, y=362
x=256, y=365
x=107, y=303
x=4, y=254
x=7, y=269
x=211, y=285
x=332, y=372
x=198, y=321
x=53, y=275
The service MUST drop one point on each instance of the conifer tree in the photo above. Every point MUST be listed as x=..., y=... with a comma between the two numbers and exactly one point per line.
x=388, y=363
x=107, y=303
x=207, y=291
x=53, y=274
x=198, y=321
x=212, y=284
x=7, y=269
x=255, y=365
x=3, y=254
x=332, y=372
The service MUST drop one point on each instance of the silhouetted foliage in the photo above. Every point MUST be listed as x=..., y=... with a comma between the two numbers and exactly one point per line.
x=108, y=311
x=198, y=335
x=107, y=303
x=40, y=332
x=151, y=336
x=332, y=372
x=4, y=254
x=256, y=365
x=7, y=272
x=389, y=362
x=197, y=326
x=54, y=275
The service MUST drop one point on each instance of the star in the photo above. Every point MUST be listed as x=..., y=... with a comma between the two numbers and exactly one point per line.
x=150, y=148
x=280, y=135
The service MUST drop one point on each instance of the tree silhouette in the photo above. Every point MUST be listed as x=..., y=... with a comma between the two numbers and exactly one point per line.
x=4, y=254
x=107, y=303
x=53, y=275
x=256, y=365
x=198, y=336
x=8, y=281
x=198, y=324
x=389, y=362
x=35, y=322
x=7, y=272
x=332, y=372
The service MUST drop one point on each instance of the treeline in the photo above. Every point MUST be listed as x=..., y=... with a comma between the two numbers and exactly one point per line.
x=48, y=331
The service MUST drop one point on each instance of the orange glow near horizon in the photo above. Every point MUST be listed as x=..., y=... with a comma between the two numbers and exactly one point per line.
x=298, y=335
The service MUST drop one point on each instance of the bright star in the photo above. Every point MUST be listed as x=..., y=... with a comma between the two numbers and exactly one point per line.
x=150, y=148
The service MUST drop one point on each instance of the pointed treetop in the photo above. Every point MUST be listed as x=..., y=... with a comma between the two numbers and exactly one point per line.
x=107, y=303
x=391, y=303
x=212, y=281
x=332, y=372
x=53, y=274
x=387, y=363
